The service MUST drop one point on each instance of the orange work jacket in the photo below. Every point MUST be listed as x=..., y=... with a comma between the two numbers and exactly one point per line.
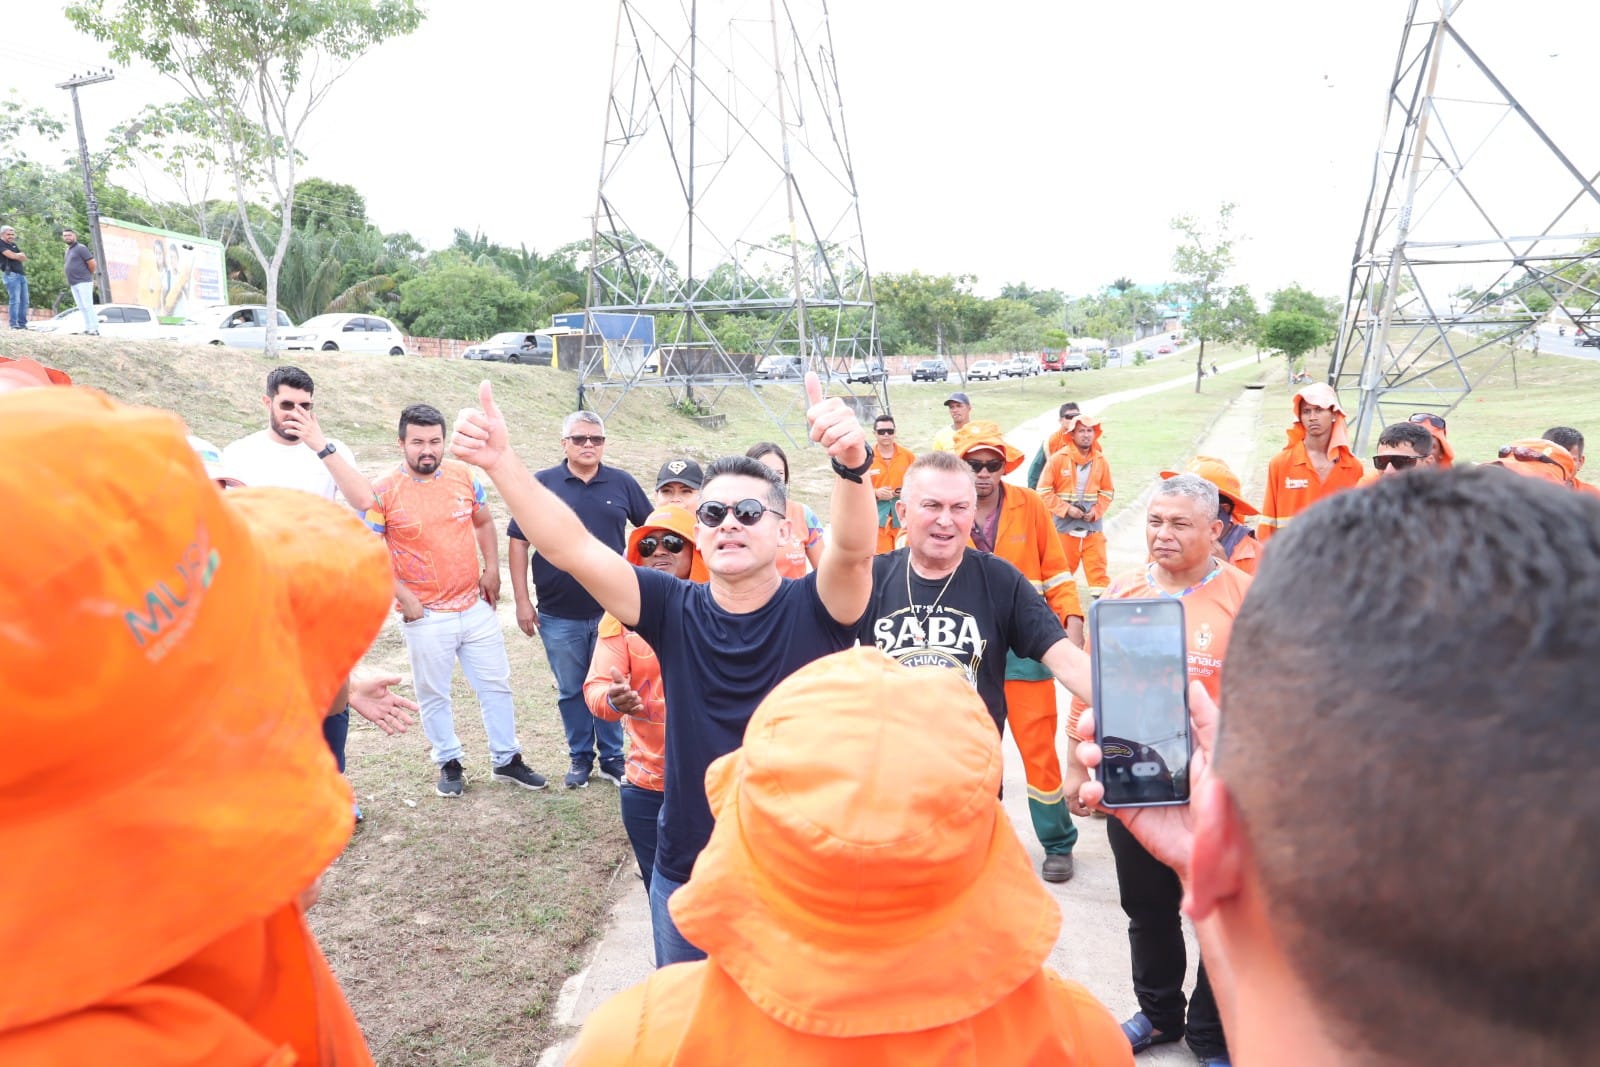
x=1293, y=485
x=694, y=1015
x=1058, y=485
x=647, y=732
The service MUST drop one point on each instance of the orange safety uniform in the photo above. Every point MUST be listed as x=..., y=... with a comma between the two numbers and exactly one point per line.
x=168, y=838
x=889, y=474
x=631, y=654
x=1025, y=536
x=1058, y=486
x=1292, y=482
x=828, y=889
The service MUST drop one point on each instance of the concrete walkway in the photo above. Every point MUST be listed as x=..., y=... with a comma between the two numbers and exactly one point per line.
x=1093, y=945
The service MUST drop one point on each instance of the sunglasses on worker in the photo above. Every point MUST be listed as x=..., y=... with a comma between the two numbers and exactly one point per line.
x=1429, y=418
x=748, y=511
x=1399, y=463
x=1528, y=455
x=670, y=543
x=584, y=440
x=991, y=465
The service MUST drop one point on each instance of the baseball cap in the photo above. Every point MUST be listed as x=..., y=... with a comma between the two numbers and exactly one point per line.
x=957, y=398
x=211, y=457
x=169, y=657
x=685, y=470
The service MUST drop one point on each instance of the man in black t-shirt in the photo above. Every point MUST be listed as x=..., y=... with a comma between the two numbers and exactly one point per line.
x=12, y=259
x=940, y=603
x=724, y=644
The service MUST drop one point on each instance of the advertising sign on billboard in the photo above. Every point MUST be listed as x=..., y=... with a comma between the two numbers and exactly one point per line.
x=173, y=274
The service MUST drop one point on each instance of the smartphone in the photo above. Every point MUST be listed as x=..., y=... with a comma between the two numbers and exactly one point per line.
x=1140, y=665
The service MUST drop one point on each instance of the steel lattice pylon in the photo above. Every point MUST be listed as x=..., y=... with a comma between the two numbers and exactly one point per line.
x=727, y=205
x=1444, y=263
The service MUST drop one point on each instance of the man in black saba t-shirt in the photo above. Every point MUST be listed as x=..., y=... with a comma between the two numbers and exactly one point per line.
x=940, y=603
x=725, y=644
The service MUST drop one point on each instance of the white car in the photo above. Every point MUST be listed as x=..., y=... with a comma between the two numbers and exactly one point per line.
x=239, y=326
x=116, y=320
x=984, y=369
x=354, y=333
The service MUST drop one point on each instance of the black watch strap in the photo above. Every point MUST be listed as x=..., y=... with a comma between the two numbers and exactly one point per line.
x=853, y=474
x=327, y=450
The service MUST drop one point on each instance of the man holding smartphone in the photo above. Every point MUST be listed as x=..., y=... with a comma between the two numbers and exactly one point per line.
x=1182, y=527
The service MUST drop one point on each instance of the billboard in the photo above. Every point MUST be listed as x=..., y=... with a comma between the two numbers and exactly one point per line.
x=173, y=274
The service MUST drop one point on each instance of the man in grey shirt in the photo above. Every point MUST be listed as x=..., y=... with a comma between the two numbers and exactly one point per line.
x=80, y=276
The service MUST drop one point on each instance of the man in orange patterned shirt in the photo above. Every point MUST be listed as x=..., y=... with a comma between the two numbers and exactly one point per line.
x=433, y=514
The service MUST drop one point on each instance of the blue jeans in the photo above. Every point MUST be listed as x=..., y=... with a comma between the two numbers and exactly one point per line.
x=640, y=810
x=83, y=295
x=434, y=643
x=335, y=731
x=569, y=648
x=671, y=946
x=17, y=299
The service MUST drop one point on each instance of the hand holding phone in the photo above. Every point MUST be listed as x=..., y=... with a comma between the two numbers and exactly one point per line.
x=1139, y=663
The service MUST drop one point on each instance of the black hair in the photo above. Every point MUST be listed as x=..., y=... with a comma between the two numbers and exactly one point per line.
x=420, y=415
x=750, y=467
x=1407, y=433
x=1566, y=437
x=1069, y=409
x=1390, y=713
x=768, y=448
x=885, y=417
x=293, y=377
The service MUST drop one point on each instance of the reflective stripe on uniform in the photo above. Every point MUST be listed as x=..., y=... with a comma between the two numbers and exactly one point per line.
x=1054, y=796
x=1061, y=579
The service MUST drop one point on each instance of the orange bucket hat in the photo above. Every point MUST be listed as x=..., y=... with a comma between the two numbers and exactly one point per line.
x=854, y=845
x=976, y=435
x=1220, y=475
x=168, y=655
x=674, y=519
x=1538, y=458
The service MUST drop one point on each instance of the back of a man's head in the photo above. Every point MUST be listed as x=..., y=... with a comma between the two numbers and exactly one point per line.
x=1410, y=737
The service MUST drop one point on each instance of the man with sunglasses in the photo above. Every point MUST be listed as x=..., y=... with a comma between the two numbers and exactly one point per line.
x=567, y=619
x=725, y=644
x=1404, y=446
x=889, y=463
x=1011, y=522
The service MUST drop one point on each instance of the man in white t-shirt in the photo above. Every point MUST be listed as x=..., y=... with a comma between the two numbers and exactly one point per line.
x=294, y=453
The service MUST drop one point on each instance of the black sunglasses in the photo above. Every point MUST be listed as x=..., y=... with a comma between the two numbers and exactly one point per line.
x=1436, y=421
x=885, y=430
x=991, y=465
x=1399, y=463
x=670, y=543
x=748, y=511
x=584, y=440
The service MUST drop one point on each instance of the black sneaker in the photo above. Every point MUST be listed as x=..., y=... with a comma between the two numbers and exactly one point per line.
x=451, y=782
x=518, y=773
x=578, y=777
x=614, y=770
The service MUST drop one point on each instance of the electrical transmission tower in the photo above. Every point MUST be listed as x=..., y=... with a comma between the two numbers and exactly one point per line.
x=1477, y=229
x=727, y=210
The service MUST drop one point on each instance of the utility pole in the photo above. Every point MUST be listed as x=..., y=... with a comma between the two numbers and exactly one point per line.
x=102, y=279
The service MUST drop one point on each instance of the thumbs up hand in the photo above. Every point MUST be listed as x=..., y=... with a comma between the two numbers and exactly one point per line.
x=481, y=438
x=622, y=696
x=834, y=426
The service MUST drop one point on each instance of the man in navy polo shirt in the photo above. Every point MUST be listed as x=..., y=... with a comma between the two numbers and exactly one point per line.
x=567, y=618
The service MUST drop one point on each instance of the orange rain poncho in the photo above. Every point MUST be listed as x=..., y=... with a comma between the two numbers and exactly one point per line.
x=856, y=852
x=168, y=657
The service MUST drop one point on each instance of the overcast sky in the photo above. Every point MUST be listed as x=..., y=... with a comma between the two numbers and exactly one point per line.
x=1018, y=140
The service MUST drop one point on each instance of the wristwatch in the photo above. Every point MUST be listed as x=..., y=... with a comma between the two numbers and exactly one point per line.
x=327, y=450
x=853, y=474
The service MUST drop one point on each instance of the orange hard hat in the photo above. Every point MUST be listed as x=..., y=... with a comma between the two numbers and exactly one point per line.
x=168, y=656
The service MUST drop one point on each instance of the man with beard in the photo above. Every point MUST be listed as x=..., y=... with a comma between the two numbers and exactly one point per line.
x=434, y=516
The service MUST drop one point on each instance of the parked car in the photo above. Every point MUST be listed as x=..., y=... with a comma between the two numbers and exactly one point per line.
x=1164, y=350
x=1589, y=340
x=116, y=320
x=355, y=333
x=984, y=370
x=1078, y=361
x=514, y=347
x=930, y=370
x=1019, y=367
x=1114, y=354
x=240, y=326
x=774, y=367
x=863, y=371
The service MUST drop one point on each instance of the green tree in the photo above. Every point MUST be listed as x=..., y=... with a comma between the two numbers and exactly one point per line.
x=1293, y=332
x=331, y=205
x=260, y=69
x=455, y=298
x=1218, y=312
x=1017, y=327
x=935, y=311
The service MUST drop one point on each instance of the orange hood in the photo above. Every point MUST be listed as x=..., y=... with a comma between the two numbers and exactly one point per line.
x=855, y=848
x=1072, y=424
x=1321, y=394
